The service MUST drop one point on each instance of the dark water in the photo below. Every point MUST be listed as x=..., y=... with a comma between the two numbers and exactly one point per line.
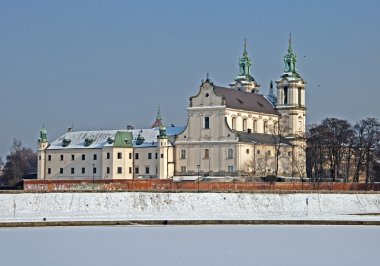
x=191, y=245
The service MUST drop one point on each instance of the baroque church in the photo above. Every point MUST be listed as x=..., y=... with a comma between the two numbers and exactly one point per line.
x=230, y=131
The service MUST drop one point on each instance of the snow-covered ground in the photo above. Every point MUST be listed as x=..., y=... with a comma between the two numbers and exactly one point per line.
x=187, y=206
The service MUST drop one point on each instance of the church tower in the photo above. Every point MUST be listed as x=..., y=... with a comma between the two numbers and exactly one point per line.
x=245, y=81
x=291, y=97
x=291, y=105
x=42, y=145
x=163, y=147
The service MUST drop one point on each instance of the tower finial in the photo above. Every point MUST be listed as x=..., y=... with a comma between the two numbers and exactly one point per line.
x=158, y=115
x=245, y=46
x=290, y=43
x=207, y=76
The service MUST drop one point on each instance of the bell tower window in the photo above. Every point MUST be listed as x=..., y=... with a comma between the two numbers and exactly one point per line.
x=285, y=95
x=299, y=96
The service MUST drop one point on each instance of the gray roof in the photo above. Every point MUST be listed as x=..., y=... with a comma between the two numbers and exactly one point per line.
x=247, y=101
x=261, y=138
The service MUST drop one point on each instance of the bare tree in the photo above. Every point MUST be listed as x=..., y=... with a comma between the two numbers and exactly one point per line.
x=19, y=162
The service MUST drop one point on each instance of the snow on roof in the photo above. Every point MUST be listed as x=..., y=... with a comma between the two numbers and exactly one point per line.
x=100, y=138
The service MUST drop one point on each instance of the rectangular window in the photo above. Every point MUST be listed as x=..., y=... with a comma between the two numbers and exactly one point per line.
x=230, y=154
x=83, y=170
x=72, y=157
x=285, y=95
x=299, y=96
x=136, y=156
x=156, y=155
x=108, y=155
x=230, y=168
x=162, y=155
x=119, y=170
x=183, y=154
x=72, y=171
x=61, y=170
x=94, y=170
x=183, y=169
x=130, y=170
x=49, y=171
x=119, y=155
x=61, y=157
x=83, y=157
x=130, y=156
x=136, y=170
x=207, y=122
x=39, y=157
x=108, y=170
x=149, y=155
x=95, y=157
x=147, y=170
x=49, y=157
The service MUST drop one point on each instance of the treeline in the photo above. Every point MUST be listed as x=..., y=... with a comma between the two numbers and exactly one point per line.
x=19, y=162
x=337, y=149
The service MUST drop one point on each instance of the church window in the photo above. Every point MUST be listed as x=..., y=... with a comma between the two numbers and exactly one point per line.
x=120, y=170
x=230, y=154
x=72, y=171
x=39, y=157
x=156, y=155
x=108, y=170
x=49, y=157
x=285, y=95
x=300, y=123
x=206, y=154
x=94, y=170
x=245, y=124
x=265, y=126
x=108, y=155
x=49, y=171
x=299, y=96
x=61, y=157
x=207, y=122
x=183, y=169
x=72, y=157
x=183, y=154
x=254, y=125
x=95, y=157
x=130, y=156
x=247, y=151
x=83, y=157
x=61, y=170
x=233, y=122
x=83, y=170
x=230, y=168
x=136, y=156
x=149, y=155
x=162, y=155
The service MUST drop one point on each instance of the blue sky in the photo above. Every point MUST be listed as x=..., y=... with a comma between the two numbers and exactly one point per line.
x=106, y=64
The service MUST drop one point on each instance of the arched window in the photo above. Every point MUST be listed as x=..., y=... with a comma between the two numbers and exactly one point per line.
x=230, y=154
x=255, y=125
x=244, y=124
x=206, y=154
x=300, y=123
x=233, y=122
x=285, y=95
x=265, y=126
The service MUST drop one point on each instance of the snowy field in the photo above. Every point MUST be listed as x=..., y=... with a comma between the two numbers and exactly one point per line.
x=187, y=206
x=227, y=245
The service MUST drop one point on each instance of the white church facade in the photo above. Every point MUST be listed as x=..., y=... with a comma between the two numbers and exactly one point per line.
x=233, y=131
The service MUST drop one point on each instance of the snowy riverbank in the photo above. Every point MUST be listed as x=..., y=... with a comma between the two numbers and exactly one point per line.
x=115, y=206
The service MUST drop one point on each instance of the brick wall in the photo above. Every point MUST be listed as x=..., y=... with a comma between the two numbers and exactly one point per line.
x=167, y=185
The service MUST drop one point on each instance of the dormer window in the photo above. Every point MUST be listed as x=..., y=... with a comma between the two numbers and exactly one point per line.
x=66, y=142
x=88, y=141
